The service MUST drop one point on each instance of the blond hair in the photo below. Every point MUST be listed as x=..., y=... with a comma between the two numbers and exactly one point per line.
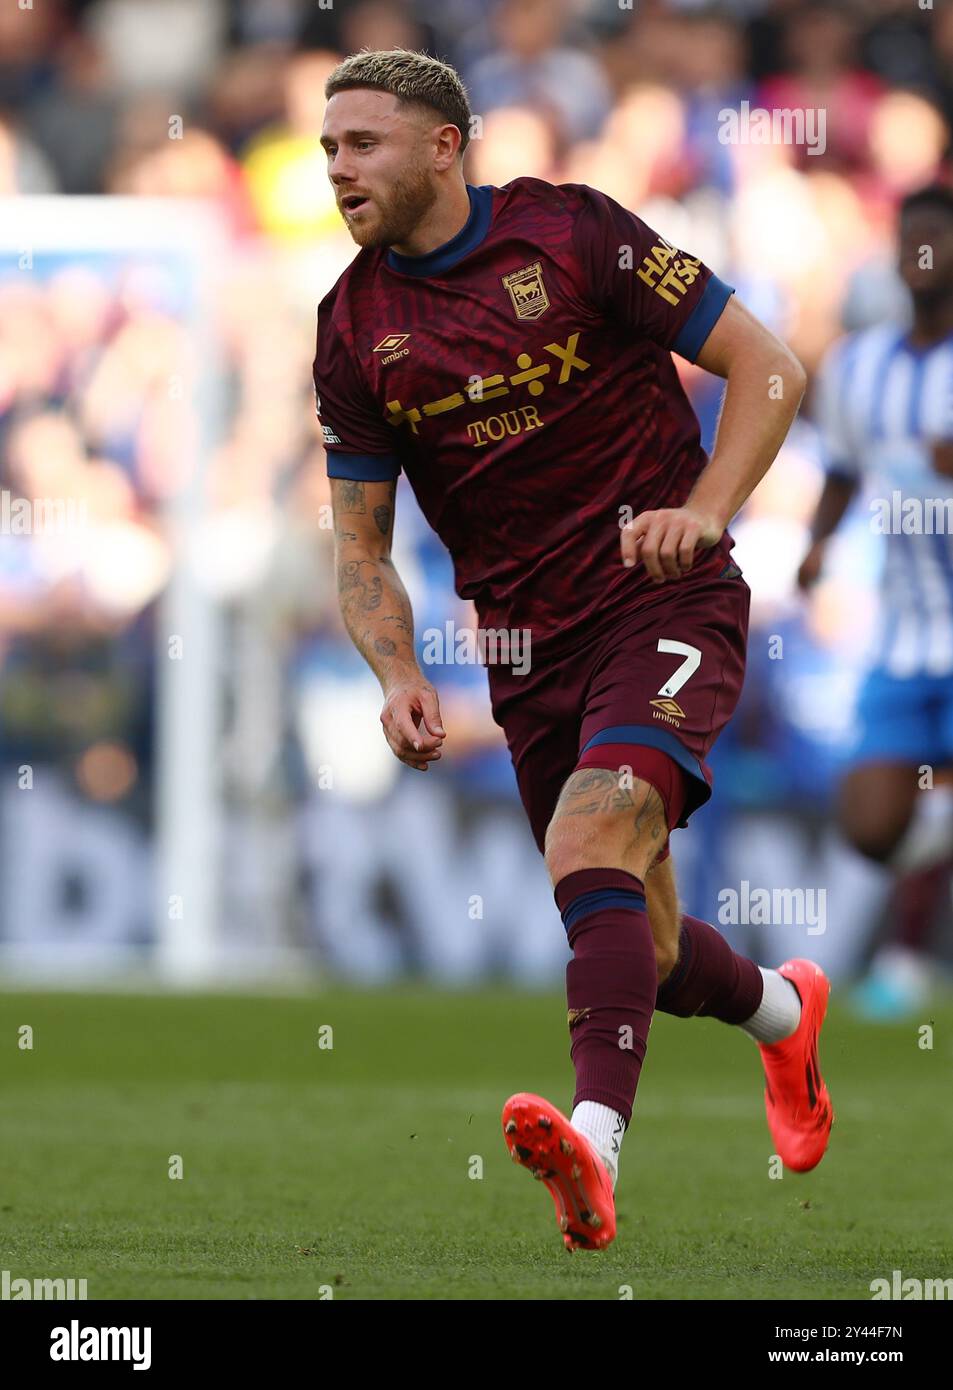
x=410, y=77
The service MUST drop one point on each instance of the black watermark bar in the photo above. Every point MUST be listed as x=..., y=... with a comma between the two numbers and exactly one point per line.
x=162, y=1339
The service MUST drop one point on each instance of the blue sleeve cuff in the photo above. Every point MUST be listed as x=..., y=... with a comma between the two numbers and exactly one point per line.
x=363, y=468
x=706, y=313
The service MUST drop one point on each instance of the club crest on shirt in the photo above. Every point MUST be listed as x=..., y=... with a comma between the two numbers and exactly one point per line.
x=527, y=291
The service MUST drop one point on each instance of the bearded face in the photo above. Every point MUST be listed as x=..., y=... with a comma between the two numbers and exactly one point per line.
x=380, y=162
x=387, y=213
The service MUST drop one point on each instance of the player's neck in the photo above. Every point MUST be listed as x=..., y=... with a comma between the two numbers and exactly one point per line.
x=447, y=217
x=932, y=322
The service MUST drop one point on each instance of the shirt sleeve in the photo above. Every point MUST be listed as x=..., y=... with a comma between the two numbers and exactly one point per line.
x=358, y=443
x=639, y=279
x=838, y=455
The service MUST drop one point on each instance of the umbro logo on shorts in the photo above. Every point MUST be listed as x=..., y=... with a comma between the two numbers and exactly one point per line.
x=670, y=707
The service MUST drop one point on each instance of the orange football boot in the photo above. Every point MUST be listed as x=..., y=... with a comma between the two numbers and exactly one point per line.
x=541, y=1138
x=799, y=1107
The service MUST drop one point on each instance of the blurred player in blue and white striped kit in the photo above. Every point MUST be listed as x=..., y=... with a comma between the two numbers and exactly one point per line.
x=885, y=410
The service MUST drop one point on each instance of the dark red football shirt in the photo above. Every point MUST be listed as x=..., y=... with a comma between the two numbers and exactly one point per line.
x=521, y=375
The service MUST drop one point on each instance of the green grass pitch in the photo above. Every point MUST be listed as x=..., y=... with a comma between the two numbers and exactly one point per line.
x=308, y=1168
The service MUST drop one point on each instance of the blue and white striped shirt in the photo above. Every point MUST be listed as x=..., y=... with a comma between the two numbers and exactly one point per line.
x=882, y=406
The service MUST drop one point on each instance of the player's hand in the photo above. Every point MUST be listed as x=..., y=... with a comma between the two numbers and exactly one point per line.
x=666, y=541
x=811, y=566
x=412, y=723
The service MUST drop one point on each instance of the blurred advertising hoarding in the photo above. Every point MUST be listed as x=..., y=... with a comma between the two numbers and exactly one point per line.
x=111, y=395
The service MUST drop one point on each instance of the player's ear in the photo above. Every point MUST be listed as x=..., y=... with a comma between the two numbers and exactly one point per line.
x=447, y=142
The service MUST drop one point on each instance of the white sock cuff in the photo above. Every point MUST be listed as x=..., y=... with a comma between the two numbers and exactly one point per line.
x=604, y=1128
x=779, y=1012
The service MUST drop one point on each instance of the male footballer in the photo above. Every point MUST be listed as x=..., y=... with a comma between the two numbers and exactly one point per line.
x=510, y=350
x=885, y=410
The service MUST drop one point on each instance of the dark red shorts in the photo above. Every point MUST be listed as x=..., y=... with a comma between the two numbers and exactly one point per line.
x=661, y=679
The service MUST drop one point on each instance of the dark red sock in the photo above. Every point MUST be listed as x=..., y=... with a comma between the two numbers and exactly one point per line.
x=610, y=982
x=915, y=905
x=710, y=979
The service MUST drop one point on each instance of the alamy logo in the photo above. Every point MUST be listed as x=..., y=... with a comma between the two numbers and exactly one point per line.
x=19, y=1290
x=41, y=516
x=806, y=125
x=910, y=1289
x=774, y=907
x=897, y=515
x=75, y=1343
x=488, y=646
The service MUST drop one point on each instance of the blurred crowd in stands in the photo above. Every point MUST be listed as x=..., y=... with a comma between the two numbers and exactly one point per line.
x=223, y=100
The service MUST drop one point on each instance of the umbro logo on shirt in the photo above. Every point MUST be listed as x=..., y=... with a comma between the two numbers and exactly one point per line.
x=393, y=345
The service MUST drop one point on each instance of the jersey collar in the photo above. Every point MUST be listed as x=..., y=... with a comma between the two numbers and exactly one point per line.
x=466, y=240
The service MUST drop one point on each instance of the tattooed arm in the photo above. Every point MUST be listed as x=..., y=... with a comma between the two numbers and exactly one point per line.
x=377, y=614
x=373, y=600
